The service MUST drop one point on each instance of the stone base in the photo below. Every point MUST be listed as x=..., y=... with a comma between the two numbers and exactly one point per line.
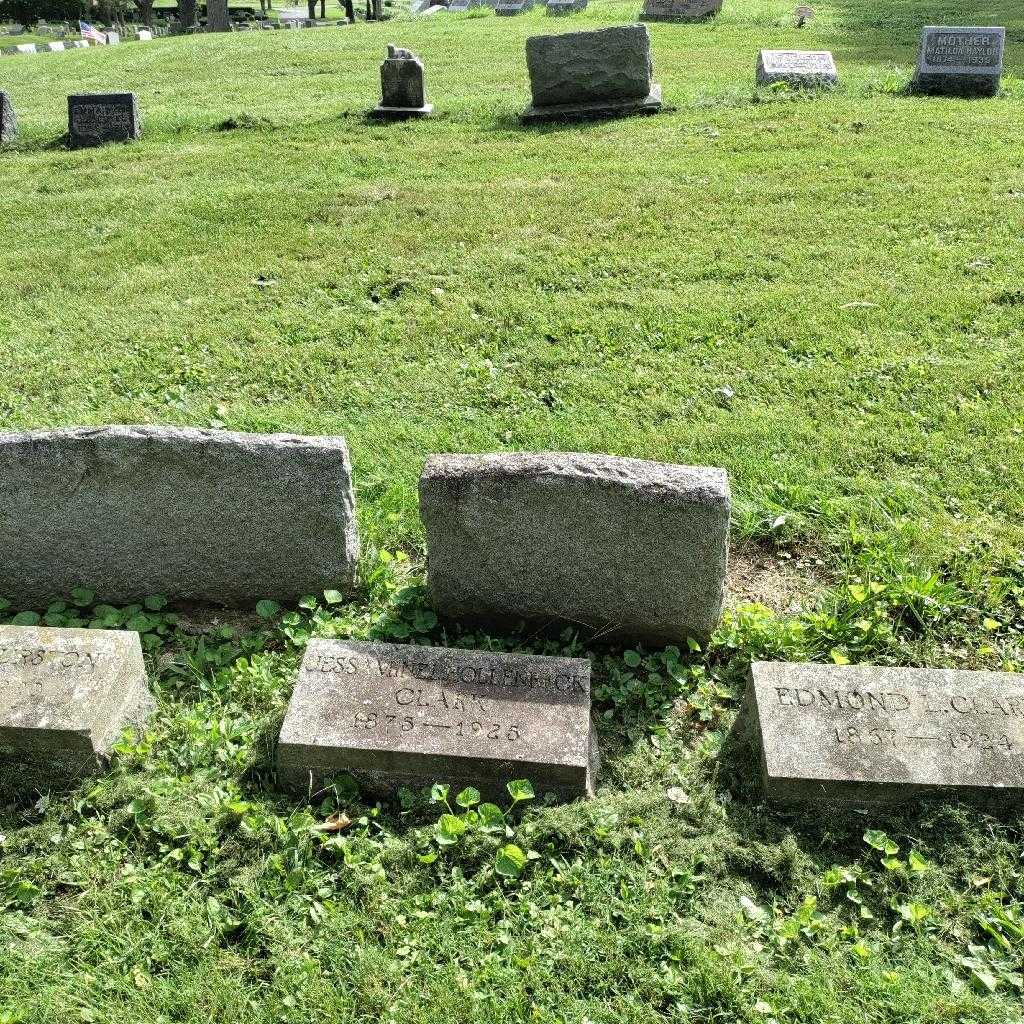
x=382, y=113
x=928, y=84
x=649, y=104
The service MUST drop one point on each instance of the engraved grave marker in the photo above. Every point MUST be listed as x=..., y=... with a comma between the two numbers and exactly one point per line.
x=395, y=715
x=803, y=68
x=960, y=61
x=680, y=10
x=97, y=118
x=869, y=734
x=66, y=695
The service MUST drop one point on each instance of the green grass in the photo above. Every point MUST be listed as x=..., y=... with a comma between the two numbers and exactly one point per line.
x=847, y=267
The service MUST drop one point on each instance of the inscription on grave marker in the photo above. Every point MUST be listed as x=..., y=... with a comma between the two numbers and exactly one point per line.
x=94, y=119
x=797, y=67
x=960, y=61
x=65, y=697
x=886, y=733
x=403, y=714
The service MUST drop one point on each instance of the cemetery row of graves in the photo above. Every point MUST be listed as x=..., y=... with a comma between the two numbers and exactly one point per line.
x=621, y=549
x=321, y=726
x=583, y=75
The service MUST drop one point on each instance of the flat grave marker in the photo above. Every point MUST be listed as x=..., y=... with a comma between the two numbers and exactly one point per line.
x=66, y=695
x=870, y=734
x=956, y=61
x=801, y=68
x=394, y=715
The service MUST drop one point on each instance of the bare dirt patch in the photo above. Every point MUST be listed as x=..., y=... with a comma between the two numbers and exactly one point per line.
x=784, y=580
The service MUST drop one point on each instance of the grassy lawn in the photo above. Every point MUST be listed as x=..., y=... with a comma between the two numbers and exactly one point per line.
x=822, y=295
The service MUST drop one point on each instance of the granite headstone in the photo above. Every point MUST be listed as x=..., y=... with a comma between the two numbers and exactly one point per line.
x=616, y=547
x=807, y=69
x=680, y=10
x=97, y=118
x=601, y=73
x=395, y=715
x=66, y=695
x=403, y=92
x=8, y=119
x=510, y=8
x=129, y=512
x=960, y=61
x=867, y=734
x=556, y=8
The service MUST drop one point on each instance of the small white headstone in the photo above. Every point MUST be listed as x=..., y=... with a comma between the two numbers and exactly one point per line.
x=806, y=68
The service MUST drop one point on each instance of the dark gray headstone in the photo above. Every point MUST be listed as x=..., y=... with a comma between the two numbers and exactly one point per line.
x=680, y=10
x=66, y=696
x=130, y=512
x=602, y=73
x=867, y=734
x=405, y=715
x=807, y=69
x=510, y=8
x=8, y=119
x=403, y=92
x=960, y=61
x=97, y=118
x=616, y=547
x=557, y=8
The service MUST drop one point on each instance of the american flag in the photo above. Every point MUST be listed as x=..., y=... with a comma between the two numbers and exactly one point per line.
x=88, y=32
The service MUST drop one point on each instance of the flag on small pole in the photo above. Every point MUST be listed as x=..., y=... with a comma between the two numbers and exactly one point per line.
x=89, y=33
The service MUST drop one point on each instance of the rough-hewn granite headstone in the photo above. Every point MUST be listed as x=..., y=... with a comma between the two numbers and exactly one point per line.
x=560, y=7
x=130, y=512
x=8, y=119
x=602, y=73
x=403, y=93
x=803, y=68
x=680, y=10
x=405, y=715
x=862, y=733
x=66, y=695
x=617, y=547
x=97, y=118
x=960, y=61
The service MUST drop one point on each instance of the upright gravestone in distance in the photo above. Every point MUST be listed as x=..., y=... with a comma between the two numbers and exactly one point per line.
x=604, y=73
x=8, y=119
x=130, y=512
x=98, y=118
x=66, y=695
x=861, y=733
x=395, y=715
x=680, y=10
x=510, y=8
x=403, y=93
x=560, y=7
x=806, y=69
x=616, y=547
x=960, y=61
